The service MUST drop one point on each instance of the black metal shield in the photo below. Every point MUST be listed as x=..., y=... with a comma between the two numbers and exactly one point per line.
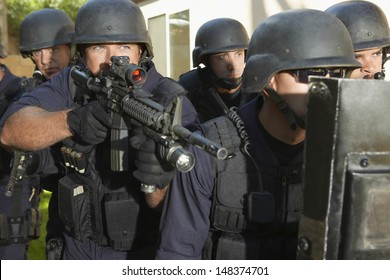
x=346, y=213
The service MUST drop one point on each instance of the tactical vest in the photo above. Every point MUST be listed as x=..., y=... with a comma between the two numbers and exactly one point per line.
x=207, y=101
x=239, y=201
x=250, y=221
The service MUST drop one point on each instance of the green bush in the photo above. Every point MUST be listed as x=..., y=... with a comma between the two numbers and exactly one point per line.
x=18, y=9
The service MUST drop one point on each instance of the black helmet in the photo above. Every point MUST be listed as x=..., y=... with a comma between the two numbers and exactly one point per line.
x=296, y=39
x=366, y=23
x=219, y=35
x=45, y=28
x=107, y=21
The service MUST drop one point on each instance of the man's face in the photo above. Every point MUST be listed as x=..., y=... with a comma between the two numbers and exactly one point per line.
x=293, y=85
x=294, y=92
x=52, y=60
x=371, y=61
x=98, y=57
x=228, y=65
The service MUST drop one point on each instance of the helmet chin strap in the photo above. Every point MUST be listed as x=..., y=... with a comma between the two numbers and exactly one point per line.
x=225, y=83
x=229, y=83
x=293, y=118
x=144, y=57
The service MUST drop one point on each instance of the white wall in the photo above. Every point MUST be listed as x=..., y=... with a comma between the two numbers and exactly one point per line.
x=249, y=12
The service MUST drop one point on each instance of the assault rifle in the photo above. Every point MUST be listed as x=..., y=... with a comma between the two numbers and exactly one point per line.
x=121, y=91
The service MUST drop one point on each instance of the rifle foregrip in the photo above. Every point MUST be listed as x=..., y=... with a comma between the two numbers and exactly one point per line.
x=144, y=110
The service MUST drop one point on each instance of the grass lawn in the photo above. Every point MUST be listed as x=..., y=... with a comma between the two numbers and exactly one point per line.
x=36, y=249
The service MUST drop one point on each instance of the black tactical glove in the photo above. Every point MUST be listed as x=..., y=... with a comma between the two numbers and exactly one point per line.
x=151, y=169
x=89, y=123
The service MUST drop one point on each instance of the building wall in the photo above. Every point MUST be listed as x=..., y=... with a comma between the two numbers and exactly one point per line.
x=249, y=12
x=158, y=13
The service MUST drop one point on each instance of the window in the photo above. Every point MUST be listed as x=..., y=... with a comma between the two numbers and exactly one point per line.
x=179, y=36
x=171, y=43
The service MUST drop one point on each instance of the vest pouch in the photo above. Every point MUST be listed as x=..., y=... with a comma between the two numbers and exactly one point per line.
x=228, y=213
x=259, y=207
x=3, y=229
x=294, y=205
x=20, y=229
x=34, y=220
x=74, y=206
x=13, y=230
x=232, y=246
x=121, y=214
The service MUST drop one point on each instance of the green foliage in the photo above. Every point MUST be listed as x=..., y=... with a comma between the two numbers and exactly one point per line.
x=18, y=9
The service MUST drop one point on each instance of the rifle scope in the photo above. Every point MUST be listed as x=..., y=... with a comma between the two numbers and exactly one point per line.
x=131, y=73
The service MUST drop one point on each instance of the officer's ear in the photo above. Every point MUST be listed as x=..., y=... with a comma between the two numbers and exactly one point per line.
x=73, y=53
x=80, y=51
x=271, y=85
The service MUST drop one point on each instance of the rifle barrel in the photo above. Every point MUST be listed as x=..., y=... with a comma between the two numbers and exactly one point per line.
x=196, y=139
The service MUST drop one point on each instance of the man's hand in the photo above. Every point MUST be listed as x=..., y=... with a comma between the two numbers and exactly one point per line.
x=89, y=123
x=151, y=170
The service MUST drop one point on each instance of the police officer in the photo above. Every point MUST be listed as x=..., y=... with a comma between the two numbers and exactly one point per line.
x=215, y=85
x=248, y=206
x=9, y=89
x=104, y=210
x=45, y=37
x=369, y=29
